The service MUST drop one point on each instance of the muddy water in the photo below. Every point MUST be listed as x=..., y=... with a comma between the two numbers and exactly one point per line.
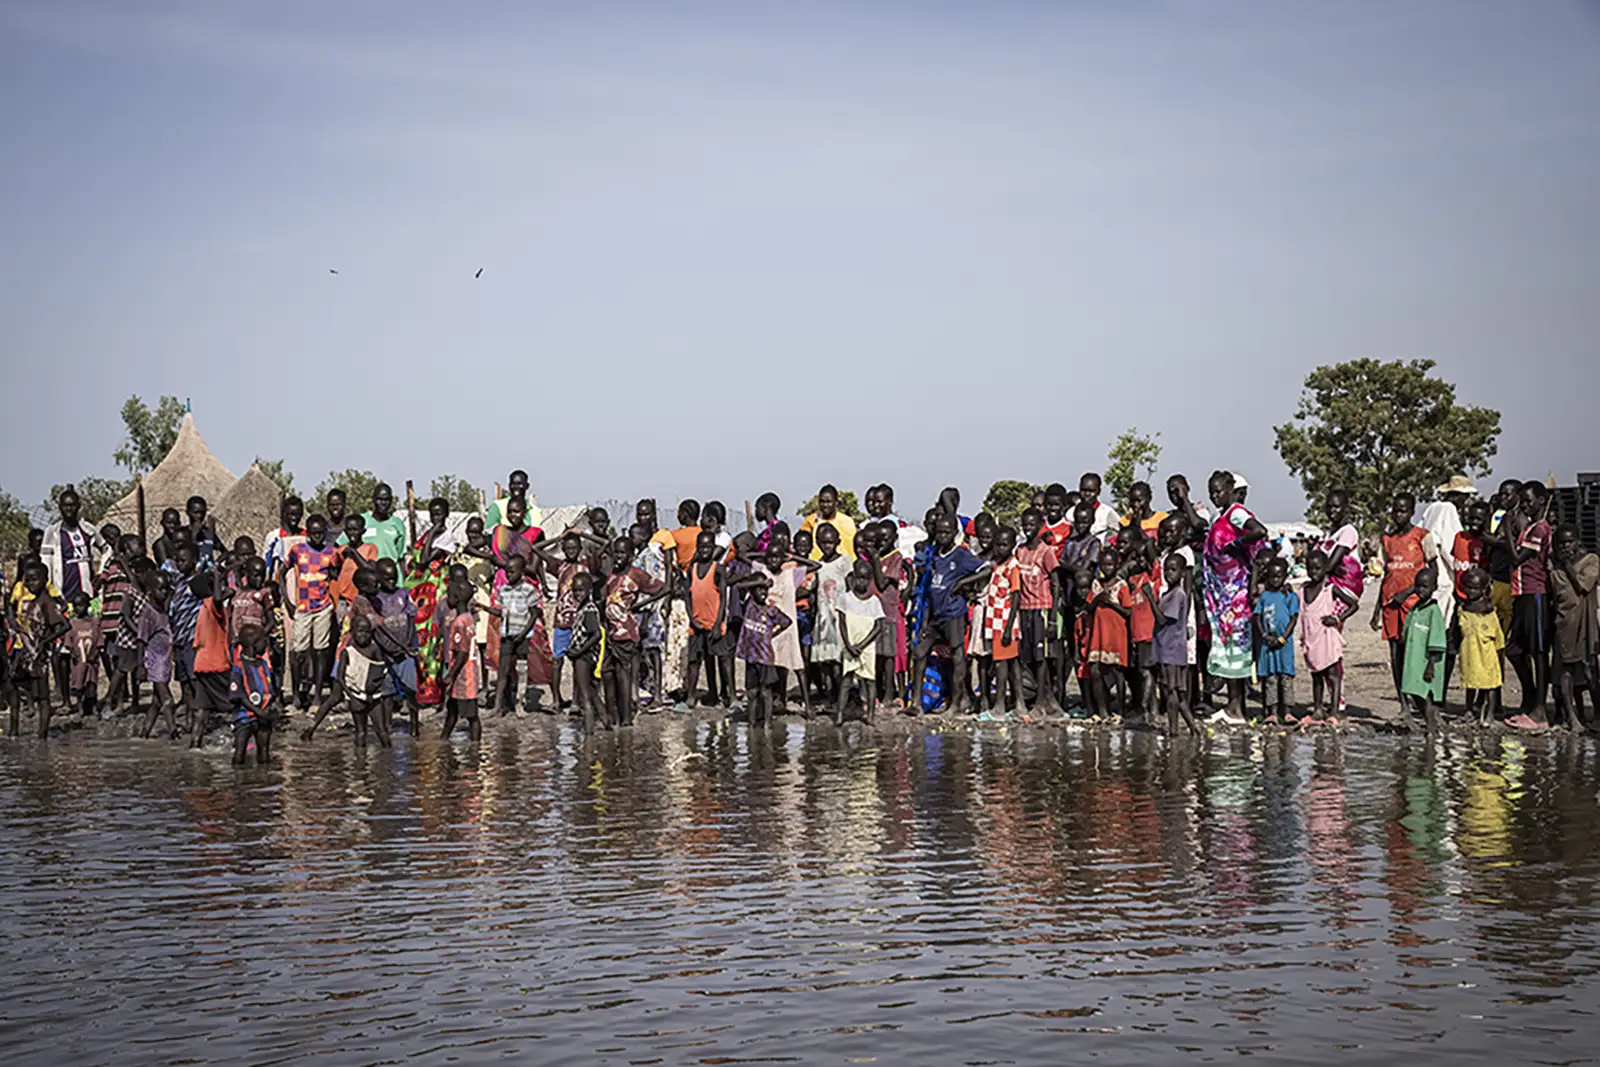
x=695, y=893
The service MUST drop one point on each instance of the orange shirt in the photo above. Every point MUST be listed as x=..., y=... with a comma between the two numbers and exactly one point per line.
x=683, y=539
x=211, y=640
x=344, y=587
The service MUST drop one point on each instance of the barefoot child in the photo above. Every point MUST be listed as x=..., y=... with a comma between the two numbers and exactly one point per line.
x=1407, y=551
x=764, y=623
x=1103, y=631
x=252, y=689
x=1036, y=562
x=518, y=609
x=1002, y=607
x=585, y=650
x=860, y=621
x=153, y=638
x=1324, y=606
x=1423, y=646
x=83, y=646
x=1482, y=640
x=36, y=625
x=1170, y=648
x=953, y=570
x=461, y=676
x=629, y=591
x=709, y=646
x=1573, y=575
x=1276, y=612
x=832, y=582
x=359, y=681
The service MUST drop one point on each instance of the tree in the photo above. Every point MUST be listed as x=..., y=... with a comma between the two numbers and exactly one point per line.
x=462, y=494
x=1130, y=453
x=357, y=486
x=148, y=435
x=96, y=495
x=15, y=522
x=1008, y=499
x=848, y=504
x=273, y=468
x=1376, y=429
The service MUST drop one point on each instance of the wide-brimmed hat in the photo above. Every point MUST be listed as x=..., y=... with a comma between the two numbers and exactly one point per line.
x=1458, y=483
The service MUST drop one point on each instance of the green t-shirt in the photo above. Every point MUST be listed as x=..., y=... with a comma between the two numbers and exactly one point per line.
x=1424, y=632
x=390, y=535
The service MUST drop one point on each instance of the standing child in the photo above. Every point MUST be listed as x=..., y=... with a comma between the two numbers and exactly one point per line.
x=764, y=623
x=1079, y=553
x=952, y=571
x=36, y=626
x=567, y=566
x=1002, y=611
x=1526, y=538
x=83, y=646
x=1170, y=647
x=708, y=625
x=1277, y=610
x=1138, y=555
x=1103, y=631
x=1407, y=551
x=315, y=564
x=153, y=638
x=832, y=581
x=252, y=689
x=585, y=650
x=1482, y=640
x=860, y=620
x=519, y=607
x=628, y=594
x=461, y=646
x=877, y=544
x=788, y=572
x=212, y=680
x=1325, y=605
x=1425, y=638
x=360, y=680
x=1036, y=562
x=1573, y=575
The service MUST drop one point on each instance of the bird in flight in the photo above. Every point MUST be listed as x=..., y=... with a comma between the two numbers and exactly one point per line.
x=332, y=271
x=479, y=274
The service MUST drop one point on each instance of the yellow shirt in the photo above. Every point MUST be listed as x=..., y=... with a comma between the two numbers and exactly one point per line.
x=841, y=522
x=1481, y=642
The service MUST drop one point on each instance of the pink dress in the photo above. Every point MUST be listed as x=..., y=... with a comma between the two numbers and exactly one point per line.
x=1348, y=574
x=1320, y=644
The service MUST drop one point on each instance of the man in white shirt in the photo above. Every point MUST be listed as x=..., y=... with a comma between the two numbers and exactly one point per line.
x=1106, y=519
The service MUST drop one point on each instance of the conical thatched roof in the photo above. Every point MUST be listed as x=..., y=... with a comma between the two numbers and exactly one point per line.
x=250, y=509
x=189, y=470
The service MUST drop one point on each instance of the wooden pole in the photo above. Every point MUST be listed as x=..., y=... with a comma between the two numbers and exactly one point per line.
x=138, y=496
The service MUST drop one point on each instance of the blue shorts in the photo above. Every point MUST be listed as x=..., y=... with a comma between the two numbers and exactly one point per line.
x=559, y=640
x=399, y=679
x=182, y=663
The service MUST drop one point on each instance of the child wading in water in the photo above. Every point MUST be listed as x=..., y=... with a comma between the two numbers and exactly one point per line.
x=1170, y=648
x=1481, y=643
x=1276, y=612
x=1324, y=607
x=861, y=621
x=252, y=691
x=361, y=678
x=584, y=649
x=36, y=626
x=461, y=645
x=1001, y=613
x=1426, y=637
x=1573, y=575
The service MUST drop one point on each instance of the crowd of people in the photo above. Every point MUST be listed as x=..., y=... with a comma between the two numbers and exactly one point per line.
x=1156, y=614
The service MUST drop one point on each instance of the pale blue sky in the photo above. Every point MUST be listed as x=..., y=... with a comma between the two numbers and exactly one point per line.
x=782, y=244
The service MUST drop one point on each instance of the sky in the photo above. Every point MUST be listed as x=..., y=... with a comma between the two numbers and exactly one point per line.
x=728, y=248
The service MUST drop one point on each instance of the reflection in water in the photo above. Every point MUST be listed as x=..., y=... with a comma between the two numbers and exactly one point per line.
x=692, y=892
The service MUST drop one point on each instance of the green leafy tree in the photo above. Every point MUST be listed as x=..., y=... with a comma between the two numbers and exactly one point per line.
x=848, y=504
x=273, y=468
x=357, y=486
x=1132, y=457
x=96, y=495
x=15, y=522
x=462, y=494
x=147, y=435
x=1377, y=428
x=1007, y=499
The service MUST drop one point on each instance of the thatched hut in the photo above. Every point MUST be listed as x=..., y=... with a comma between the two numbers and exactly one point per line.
x=189, y=470
x=250, y=509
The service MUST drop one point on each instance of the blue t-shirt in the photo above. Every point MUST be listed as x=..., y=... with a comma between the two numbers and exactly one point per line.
x=944, y=571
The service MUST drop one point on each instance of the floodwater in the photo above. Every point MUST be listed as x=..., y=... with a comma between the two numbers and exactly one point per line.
x=693, y=892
